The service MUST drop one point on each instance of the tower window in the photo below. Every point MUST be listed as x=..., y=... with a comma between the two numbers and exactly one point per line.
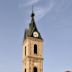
x=25, y=50
x=35, y=69
x=35, y=49
x=25, y=69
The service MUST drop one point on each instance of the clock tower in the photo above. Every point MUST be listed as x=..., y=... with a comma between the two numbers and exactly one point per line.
x=32, y=57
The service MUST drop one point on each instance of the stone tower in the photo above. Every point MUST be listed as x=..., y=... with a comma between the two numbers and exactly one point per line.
x=32, y=48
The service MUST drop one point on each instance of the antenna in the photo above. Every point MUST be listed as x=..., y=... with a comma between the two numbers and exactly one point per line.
x=32, y=9
x=32, y=15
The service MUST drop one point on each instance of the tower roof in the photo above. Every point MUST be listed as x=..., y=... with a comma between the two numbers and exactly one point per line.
x=32, y=28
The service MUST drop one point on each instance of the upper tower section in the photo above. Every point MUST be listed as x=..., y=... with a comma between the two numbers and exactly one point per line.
x=32, y=31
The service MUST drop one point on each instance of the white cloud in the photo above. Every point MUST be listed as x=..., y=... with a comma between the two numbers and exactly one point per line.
x=41, y=12
x=29, y=2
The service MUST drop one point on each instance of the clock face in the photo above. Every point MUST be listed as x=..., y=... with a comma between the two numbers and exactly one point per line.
x=35, y=34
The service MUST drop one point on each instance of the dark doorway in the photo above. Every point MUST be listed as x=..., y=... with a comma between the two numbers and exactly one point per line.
x=35, y=69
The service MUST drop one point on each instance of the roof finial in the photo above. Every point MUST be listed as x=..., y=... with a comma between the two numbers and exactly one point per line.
x=32, y=9
x=32, y=15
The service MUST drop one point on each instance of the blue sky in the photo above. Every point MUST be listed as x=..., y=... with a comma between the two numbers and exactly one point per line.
x=54, y=21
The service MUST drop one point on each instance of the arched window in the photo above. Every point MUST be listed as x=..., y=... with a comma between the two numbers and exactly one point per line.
x=25, y=50
x=35, y=69
x=35, y=49
x=25, y=69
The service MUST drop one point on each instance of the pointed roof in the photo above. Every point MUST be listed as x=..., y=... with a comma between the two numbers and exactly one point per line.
x=32, y=25
x=32, y=28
